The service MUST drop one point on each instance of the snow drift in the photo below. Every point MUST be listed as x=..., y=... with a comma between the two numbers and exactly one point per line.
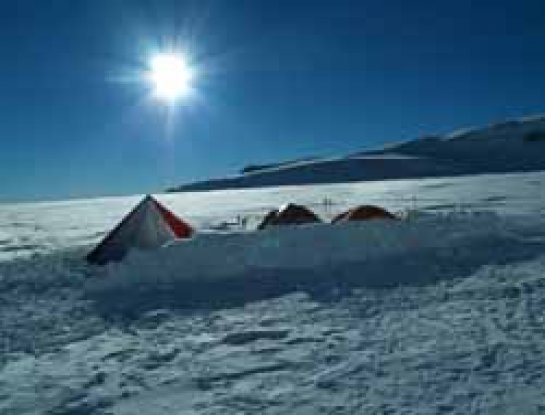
x=237, y=267
x=216, y=255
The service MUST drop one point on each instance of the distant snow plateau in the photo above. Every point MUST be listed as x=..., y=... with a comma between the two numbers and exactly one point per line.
x=506, y=147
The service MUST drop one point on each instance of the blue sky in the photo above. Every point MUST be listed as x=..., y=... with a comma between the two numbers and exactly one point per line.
x=277, y=79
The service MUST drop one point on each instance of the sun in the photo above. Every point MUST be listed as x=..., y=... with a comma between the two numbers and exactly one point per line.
x=170, y=75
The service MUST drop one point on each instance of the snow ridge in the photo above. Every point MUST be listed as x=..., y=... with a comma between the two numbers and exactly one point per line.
x=510, y=146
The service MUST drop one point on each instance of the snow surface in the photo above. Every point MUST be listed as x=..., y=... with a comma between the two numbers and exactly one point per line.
x=439, y=313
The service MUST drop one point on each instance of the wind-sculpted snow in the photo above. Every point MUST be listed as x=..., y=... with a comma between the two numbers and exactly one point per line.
x=466, y=345
x=41, y=307
x=236, y=267
x=440, y=313
x=457, y=329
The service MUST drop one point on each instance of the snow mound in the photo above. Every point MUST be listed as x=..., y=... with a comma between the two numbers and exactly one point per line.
x=244, y=266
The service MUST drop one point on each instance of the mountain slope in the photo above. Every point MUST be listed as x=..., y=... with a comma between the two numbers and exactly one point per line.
x=511, y=146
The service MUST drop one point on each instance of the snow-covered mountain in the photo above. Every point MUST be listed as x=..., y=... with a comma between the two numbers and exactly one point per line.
x=511, y=146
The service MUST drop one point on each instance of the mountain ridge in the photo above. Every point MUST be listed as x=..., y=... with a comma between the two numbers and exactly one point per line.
x=508, y=146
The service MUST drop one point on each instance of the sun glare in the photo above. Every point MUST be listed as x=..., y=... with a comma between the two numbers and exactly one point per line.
x=171, y=76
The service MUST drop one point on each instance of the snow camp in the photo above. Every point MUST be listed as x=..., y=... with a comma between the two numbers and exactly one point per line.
x=288, y=207
x=433, y=274
x=150, y=226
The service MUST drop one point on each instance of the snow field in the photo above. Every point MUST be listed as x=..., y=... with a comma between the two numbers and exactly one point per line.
x=46, y=227
x=466, y=345
x=442, y=313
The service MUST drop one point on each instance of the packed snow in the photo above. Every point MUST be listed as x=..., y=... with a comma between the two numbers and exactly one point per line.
x=441, y=312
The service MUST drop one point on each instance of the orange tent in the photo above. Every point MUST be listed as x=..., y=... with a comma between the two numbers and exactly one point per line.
x=290, y=214
x=149, y=225
x=363, y=212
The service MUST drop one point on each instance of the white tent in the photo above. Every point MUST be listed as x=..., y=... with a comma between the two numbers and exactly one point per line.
x=149, y=225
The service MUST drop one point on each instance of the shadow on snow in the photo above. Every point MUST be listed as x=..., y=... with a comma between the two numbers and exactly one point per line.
x=408, y=269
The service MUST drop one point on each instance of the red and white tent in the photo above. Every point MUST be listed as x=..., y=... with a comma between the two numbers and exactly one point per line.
x=149, y=225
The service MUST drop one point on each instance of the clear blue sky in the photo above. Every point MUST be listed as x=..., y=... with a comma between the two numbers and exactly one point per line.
x=278, y=79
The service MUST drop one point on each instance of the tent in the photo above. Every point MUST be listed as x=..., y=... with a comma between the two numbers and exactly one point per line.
x=363, y=212
x=289, y=214
x=149, y=225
